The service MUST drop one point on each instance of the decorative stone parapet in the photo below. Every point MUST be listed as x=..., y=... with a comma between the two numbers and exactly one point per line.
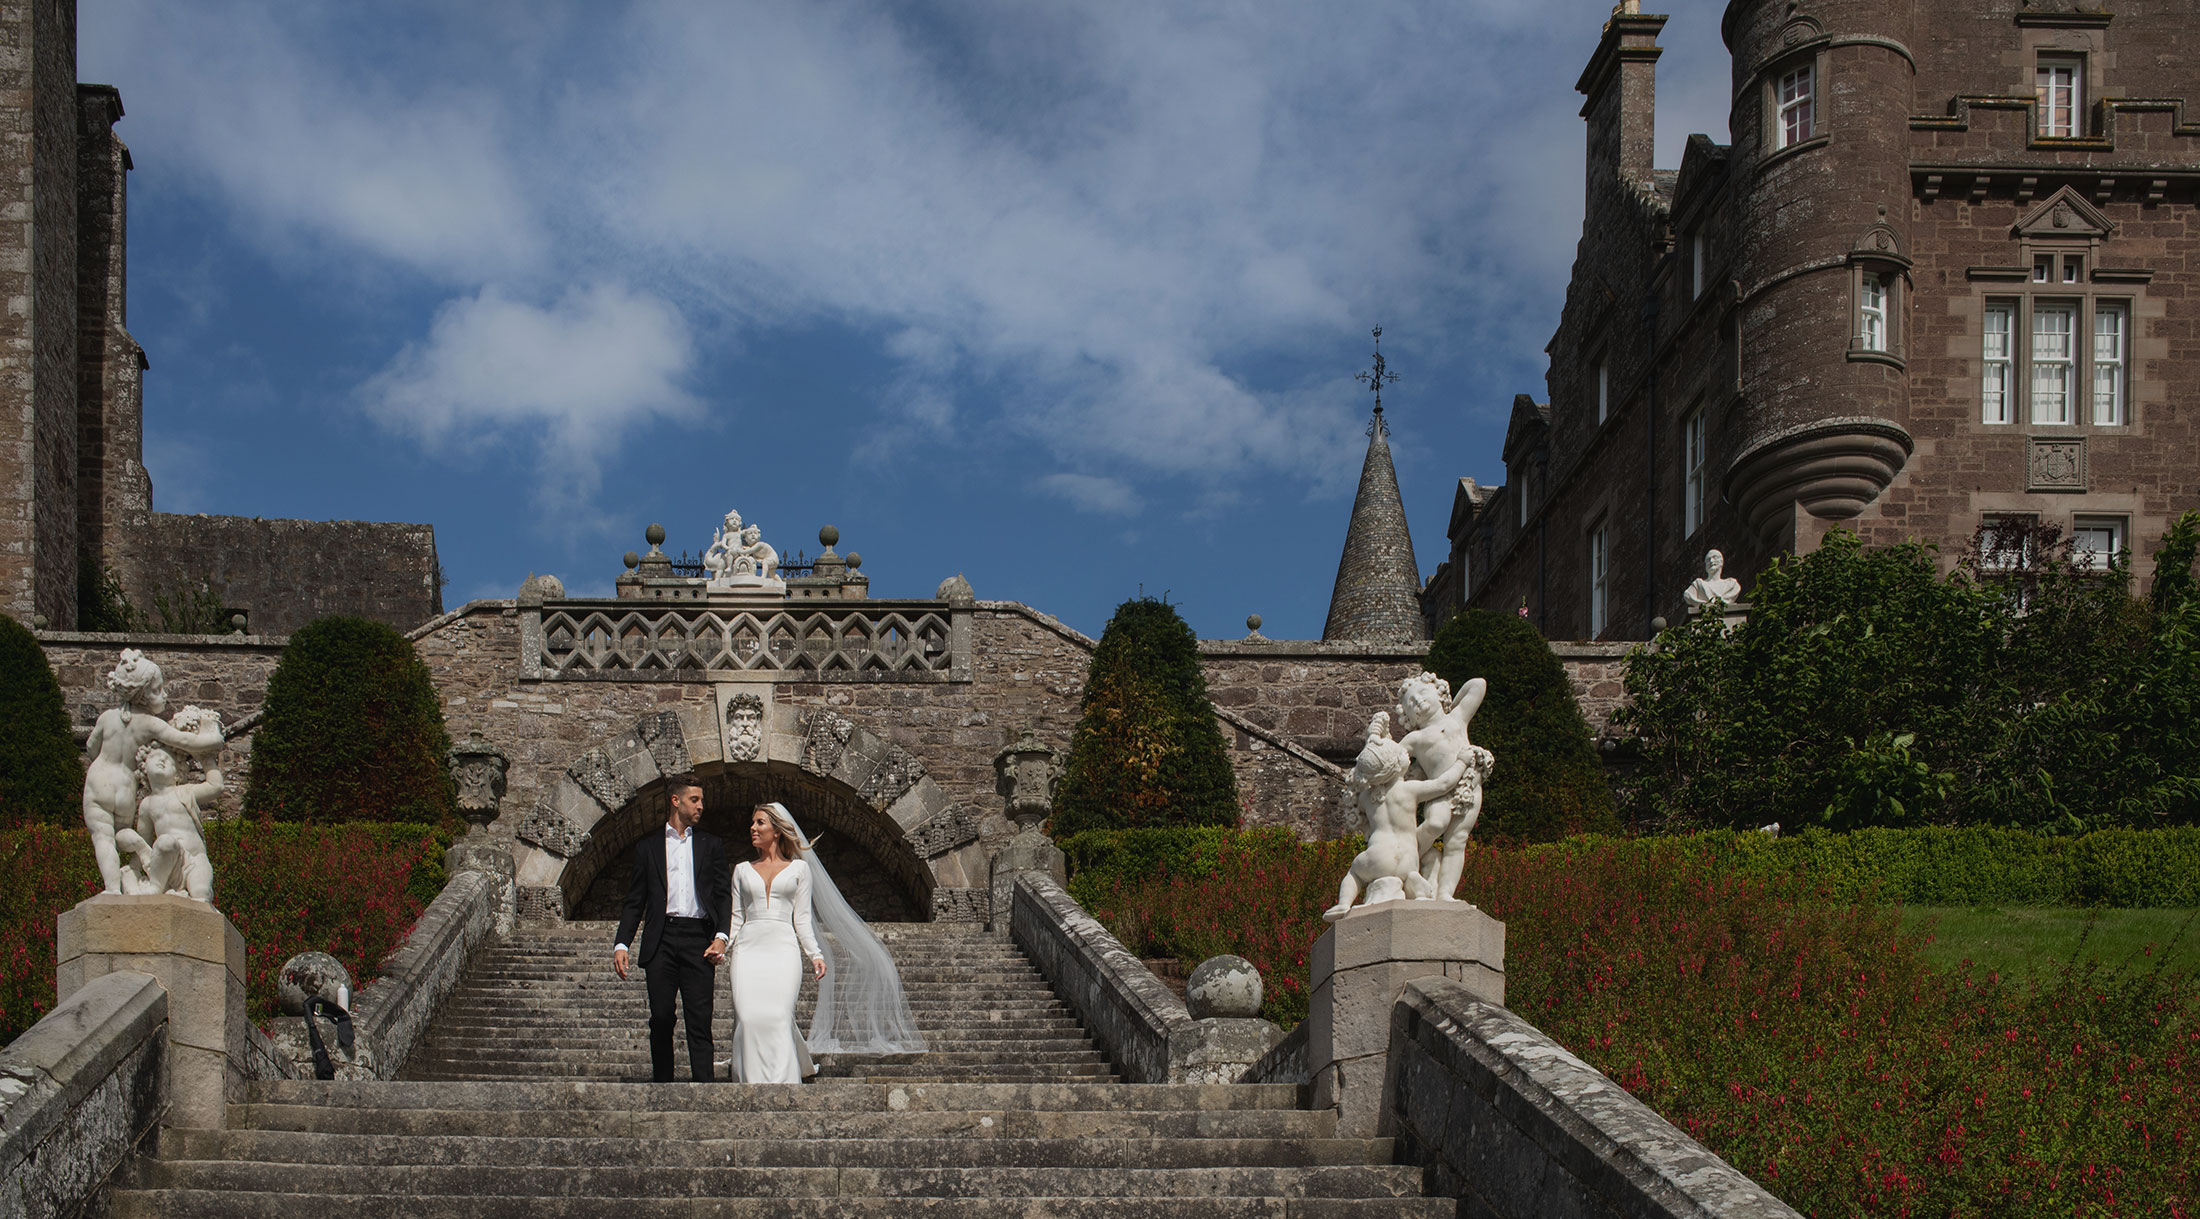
x=1509, y=1123
x=198, y=958
x=78, y=1091
x=1145, y=1029
x=1359, y=967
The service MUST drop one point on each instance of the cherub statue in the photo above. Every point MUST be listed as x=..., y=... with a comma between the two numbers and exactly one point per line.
x=1436, y=738
x=725, y=546
x=1380, y=793
x=174, y=859
x=110, y=781
x=1714, y=586
x=756, y=556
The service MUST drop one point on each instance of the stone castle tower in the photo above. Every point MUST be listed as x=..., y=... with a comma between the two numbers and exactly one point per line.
x=1377, y=596
x=75, y=499
x=1944, y=277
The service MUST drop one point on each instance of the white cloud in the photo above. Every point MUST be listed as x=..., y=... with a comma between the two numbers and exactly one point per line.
x=1092, y=493
x=578, y=374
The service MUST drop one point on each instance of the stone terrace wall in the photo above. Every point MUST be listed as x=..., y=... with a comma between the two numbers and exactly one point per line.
x=223, y=673
x=1279, y=701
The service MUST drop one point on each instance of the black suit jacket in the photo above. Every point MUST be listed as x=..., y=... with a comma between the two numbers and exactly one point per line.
x=645, y=894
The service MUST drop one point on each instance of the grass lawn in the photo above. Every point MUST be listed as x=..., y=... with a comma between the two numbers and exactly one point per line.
x=2021, y=938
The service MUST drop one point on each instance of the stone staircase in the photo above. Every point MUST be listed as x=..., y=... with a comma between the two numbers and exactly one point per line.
x=545, y=1005
x=523, y=1101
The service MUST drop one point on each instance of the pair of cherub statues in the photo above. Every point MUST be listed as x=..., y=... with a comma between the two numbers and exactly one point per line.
x=134, y=798
x=1419, y=796
x=735, y=551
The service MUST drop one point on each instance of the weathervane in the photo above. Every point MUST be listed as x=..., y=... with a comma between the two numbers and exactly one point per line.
x=1375, y=379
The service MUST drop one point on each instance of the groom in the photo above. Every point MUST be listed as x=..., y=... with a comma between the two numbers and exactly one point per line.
x=682, y=893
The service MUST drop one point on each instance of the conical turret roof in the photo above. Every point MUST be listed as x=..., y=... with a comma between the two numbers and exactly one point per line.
x=1378, y=594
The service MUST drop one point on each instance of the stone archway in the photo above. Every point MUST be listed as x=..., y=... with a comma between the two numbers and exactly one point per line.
x=886, y=828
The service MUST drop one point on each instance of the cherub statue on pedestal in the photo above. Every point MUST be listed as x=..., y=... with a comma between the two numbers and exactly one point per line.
x=173, y=859
x=110, y=782
x=1436, y=738
x=1377, y=789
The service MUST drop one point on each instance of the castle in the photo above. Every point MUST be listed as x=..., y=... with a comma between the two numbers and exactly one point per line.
x=75, y=499
x=1942, y=278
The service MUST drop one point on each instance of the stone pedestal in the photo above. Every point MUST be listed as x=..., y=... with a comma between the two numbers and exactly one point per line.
x=1359, y=967
x=1029, y=851
x=199, y=958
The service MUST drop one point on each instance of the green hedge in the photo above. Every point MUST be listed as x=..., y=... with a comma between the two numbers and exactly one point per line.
x=1930, y=866
x=1968, y=866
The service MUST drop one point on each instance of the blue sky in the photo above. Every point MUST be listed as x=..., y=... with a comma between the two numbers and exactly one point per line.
x=1066, y=297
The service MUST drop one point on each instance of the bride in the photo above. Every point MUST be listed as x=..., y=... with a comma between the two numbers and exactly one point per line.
x=860, y=1009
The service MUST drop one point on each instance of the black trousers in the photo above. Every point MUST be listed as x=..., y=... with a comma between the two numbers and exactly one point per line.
x=678, y=970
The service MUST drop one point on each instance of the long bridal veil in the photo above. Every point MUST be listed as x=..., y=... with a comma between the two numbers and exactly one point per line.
x=860, y=1006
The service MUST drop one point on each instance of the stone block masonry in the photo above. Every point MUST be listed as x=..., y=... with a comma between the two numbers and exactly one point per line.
x=284, y=574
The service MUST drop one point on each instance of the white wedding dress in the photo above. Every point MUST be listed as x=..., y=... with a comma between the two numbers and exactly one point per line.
x=771, y=943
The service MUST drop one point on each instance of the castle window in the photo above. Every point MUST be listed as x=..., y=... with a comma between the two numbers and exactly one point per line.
x=1692, y=480
x=2109, y=347
x=1696, y=280
x=2096, y=541
x=1795, y=116
x=2059, y=88
x=1871, y=314
x=2000, y=349
x=2061, y=345
x=2054, y=359
x=1600, y=570
x=1603, y=375
x=2006, y=542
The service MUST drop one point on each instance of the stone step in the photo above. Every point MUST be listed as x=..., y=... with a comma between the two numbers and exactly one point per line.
x=806, y=1124
x=637, y=1038
x=692, y=1098
x=829, y=1181
x=636, y=1069
x=285, y=1146
x=201, y=1204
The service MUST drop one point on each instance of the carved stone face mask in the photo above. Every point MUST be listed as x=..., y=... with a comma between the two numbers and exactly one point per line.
x=744, y=730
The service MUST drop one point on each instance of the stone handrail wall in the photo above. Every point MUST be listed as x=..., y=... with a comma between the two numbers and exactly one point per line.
x=391, y=1014
x=1286, y=1063
x=1507, y=1121
x=78, y=1091
x=626, y=640
x=1139, y=1021
x=1131, y=1013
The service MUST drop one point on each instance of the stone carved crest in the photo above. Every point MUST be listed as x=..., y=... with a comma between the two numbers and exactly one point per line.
x=2057, y=463
x=478, y=767
x=744, y=727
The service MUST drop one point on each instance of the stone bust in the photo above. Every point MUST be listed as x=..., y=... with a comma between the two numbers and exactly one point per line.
x=1714, y=586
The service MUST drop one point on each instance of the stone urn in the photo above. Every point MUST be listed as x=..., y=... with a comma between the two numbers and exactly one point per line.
x=478, y=767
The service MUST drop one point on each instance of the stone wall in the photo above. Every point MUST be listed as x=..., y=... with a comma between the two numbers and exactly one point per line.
x=223, y=673
x=78, y=1091
x=1277, y=700
x=1505, y=1120
x=284, y=574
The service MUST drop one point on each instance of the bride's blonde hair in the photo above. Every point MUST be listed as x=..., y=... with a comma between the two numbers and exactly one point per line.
x=791, y=844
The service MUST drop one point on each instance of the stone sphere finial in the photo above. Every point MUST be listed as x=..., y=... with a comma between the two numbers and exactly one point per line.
x=828, y=536
x=633, y=560
x=315, y=974
x=655, y=535
x=38, y=622
x=1252, y=623
x=236, y=622
x=1224, y=986
x=854, y=560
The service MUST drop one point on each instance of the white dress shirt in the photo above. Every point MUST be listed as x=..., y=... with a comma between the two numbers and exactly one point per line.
x=681, y=898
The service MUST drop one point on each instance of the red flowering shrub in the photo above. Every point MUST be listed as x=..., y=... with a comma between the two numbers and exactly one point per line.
x=353, y=891
x=1804, y=1040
